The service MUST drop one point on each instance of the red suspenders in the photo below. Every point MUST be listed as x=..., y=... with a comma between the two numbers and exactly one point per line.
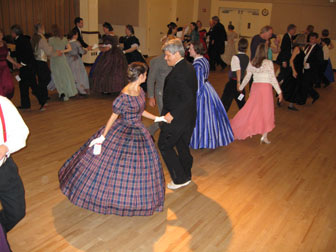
x=3, y=125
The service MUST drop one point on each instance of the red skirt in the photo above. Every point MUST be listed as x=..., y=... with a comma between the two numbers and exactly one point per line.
x=6, y=81
x=257, y=115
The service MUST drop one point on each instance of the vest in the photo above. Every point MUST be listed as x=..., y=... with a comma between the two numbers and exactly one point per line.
x=244, y=61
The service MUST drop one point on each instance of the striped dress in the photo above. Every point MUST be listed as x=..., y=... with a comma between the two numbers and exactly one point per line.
x=126, y=178
x=212, y=128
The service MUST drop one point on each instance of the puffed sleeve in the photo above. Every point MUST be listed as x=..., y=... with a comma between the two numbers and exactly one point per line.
x=119, y=104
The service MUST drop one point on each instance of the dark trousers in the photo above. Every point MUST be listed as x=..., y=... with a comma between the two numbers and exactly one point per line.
x=323, y=78
x=230, y=93
x=28, y=80
x=309, y=78
x=284, y=73
x=178, y=163
x=44, y=77
x=12, y=195
x=215, y=59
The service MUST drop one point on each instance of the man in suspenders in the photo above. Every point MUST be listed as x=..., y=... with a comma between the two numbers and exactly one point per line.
x=13, y=136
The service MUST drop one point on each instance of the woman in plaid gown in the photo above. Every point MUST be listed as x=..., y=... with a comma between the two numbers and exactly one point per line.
x=118, y=170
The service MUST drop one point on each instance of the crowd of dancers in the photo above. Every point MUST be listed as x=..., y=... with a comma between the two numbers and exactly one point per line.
x=118, y=170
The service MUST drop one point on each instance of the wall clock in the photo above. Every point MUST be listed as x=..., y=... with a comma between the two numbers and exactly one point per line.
x=265, y=12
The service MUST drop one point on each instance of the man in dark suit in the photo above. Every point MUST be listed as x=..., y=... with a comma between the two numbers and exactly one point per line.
x=79, y=23
x=286, y=52
x=312, y=63
x=179, y=109
x=24, y=55
x=217, y=43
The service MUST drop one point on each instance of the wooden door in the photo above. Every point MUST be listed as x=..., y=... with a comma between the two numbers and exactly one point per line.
x=159, y=16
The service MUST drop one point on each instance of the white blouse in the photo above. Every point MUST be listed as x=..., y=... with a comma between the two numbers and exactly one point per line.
x=263, y=74
x=16, y=129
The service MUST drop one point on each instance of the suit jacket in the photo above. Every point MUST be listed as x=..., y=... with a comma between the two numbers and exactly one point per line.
x=315, y=60
x=24, y=54
x=218, y=35
x=286, y=49
x=179, y=96
x=80, y=37
x=157, y=75
x=24, y=51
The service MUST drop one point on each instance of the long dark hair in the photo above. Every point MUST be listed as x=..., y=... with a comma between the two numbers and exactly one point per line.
x=260, y=55
x=36, y=37
x=171, y=26
x=195, y=25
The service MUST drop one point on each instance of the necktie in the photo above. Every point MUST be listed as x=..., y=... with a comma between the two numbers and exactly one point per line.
x=308, y=49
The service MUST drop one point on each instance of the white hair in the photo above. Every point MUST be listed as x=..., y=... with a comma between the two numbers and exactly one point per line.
x=173, y=46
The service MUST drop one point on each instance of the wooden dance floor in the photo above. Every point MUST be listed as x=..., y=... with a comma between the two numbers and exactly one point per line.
x=244, y=197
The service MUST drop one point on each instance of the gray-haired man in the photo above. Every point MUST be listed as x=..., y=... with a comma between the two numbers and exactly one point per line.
x=179, y=109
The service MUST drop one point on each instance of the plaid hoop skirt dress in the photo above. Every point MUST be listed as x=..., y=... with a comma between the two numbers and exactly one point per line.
x=126, y=178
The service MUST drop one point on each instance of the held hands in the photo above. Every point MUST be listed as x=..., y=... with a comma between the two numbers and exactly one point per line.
x=238, y=86
x=160, y=119
x=284, y=64
x=17, y=66
x=280, y=97
x=97, y=144
x=169, y=118
x=59, y=52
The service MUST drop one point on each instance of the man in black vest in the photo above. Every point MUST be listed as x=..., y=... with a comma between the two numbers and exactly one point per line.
x=217, y=43
x=179, y=109
x=239, y=64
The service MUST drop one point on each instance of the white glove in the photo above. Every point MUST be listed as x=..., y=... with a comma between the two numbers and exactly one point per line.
x=95, y=46
x=160, y=119
x=97, y=144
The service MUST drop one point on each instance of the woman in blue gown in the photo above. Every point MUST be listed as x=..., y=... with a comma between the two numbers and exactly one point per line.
x=212, y=128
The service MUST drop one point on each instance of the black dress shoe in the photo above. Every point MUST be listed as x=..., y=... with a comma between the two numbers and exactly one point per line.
x=315, y=99
x=326, y=85
x=278, y=103
x=293, y=108
x=62, y=97
x=42, y=108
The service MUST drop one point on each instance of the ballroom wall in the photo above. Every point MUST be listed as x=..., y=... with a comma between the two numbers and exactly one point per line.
x=320, y=13
x=26, y=13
